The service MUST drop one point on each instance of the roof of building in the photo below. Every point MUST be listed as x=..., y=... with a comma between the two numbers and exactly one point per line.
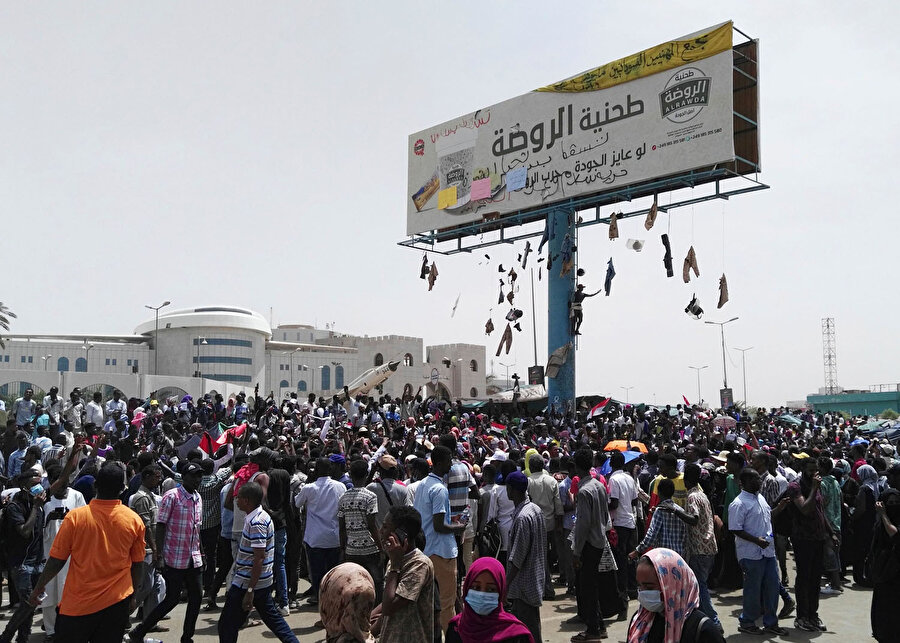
x=208, y=317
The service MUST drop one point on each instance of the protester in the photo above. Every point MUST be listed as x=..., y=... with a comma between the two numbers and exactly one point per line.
x=104, y=544
x=408, y=610
x=527, y=561
x=253, y=578
x=592, y=510
x=178, y=538
x=749, y=520
x=483, y=618
x=669, y=603
x=885, y=616
x=358, y=525
x=348, y=596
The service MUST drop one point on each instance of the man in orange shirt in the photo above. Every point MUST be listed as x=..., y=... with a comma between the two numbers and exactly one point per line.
x=105, y=542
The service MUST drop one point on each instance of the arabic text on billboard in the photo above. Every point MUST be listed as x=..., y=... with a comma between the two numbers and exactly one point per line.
x=661, y=112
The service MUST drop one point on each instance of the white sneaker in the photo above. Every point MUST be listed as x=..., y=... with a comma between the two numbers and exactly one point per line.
x=284, y=611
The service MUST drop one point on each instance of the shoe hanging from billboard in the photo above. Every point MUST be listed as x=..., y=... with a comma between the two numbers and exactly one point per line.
x=663, y=111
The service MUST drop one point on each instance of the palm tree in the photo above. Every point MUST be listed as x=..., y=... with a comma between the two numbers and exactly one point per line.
x=5, y=314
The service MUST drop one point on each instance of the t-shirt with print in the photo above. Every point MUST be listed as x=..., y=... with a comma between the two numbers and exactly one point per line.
x=414, y=622
x=355, y=506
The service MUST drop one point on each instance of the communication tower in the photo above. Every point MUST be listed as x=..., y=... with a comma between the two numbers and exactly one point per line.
x=830, y=355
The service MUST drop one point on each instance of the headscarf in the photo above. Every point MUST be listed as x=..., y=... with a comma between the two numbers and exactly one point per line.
x=346, y=599
x=528, y=455
x=499, y=625
x=680, y=595
x=868, y=477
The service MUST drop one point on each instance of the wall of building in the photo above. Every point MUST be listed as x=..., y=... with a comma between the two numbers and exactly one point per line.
x=856, y=403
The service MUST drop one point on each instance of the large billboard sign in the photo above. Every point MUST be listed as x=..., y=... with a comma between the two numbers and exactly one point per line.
x=663, y=111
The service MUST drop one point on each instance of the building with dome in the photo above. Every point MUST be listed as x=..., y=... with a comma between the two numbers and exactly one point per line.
x=228, y=349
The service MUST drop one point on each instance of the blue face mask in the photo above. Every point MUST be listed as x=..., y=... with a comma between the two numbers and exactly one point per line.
x=36, y=489
x=651, y=600
x=482, y=602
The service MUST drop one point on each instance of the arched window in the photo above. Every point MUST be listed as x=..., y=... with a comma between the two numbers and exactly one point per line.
x=379, y=359
x=326, y=378
x=301, y=385
x=62, y=364
x=407, y=360
x=474, y=366
x=81, y=365
x=473, y=392
x=284, y=384
x=338, y=377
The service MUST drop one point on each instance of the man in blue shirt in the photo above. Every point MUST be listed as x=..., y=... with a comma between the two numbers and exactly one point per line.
x=433, y=504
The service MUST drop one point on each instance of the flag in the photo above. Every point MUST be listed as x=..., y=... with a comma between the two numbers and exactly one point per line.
x=686, y=403
x=597, y=410
x=228, y=435
x=496, y=426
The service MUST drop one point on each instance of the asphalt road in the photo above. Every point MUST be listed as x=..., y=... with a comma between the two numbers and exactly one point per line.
x=846, y=616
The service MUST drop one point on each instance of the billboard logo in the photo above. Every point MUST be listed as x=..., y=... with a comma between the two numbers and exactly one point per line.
x=685, y=95
x=419, y=147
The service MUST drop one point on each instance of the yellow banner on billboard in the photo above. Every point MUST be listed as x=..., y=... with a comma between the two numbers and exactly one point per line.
x=669, y=55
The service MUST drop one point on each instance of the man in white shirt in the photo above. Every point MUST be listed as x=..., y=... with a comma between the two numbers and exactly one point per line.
x=543, y=489
x=74, y=409
x=116, y=404
x=55, y=510
x=321, y=537
x=53, y=404
x=93, y=414
x=623, y=496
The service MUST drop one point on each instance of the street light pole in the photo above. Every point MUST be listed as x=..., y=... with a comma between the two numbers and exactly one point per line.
x=156, y=335
x=744, y=368
x=87, y=356
x=46, y=358
x=721, y=326
x=200, y=341
x=507, y=370
x=626, y=389
x=698, y=369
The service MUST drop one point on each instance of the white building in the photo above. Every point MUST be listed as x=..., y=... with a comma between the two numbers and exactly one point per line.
x=227, y=349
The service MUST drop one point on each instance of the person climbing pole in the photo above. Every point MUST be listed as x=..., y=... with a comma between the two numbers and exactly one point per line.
x=575, y=312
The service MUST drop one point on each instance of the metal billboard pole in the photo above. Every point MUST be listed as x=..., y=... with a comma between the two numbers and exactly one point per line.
x=560, y=389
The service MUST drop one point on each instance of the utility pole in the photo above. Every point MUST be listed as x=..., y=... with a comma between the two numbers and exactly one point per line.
x=744, y=368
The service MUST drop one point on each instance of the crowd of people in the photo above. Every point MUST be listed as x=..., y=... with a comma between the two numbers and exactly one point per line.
x=420, y=520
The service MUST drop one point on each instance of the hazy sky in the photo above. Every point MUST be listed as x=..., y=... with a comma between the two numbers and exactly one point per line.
x=254, y=154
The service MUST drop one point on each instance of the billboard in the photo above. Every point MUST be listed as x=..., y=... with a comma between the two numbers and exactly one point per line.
x=663, y=111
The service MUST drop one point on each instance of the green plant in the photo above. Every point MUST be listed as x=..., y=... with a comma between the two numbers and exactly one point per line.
x=889, y=414
x=5, y=315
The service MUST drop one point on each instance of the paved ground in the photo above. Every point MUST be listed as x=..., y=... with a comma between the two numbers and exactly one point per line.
x=847, y=617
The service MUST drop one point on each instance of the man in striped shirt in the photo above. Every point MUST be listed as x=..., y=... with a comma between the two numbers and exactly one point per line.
x=253, y=580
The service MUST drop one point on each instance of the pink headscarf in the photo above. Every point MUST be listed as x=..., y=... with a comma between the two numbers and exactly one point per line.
x=499, y=625
x=680, y=595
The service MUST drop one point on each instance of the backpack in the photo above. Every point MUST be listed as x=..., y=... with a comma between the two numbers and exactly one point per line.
x=490, y=542
x=695, y=624
x=698, y=623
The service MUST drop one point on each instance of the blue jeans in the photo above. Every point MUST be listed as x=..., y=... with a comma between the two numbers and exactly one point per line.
x=24, y=576
x=702, y=565
x=321, y=560
x=279, y=570
x=760, y=591
x=233, y=615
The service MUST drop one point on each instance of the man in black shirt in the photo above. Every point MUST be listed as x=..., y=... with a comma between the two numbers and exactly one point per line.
x=23, y=528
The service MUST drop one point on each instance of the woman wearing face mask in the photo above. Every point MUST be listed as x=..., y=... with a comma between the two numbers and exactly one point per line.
x=669, y=600
x=885, y=568
x=483, y=619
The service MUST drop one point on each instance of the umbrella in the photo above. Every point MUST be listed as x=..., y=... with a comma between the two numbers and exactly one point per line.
x=725, y=422
x=625, y=446
x=606, y=469
x=873, y=426
x=858, y=441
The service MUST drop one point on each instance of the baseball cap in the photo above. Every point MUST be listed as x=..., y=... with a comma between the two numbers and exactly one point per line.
x=192, y=468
